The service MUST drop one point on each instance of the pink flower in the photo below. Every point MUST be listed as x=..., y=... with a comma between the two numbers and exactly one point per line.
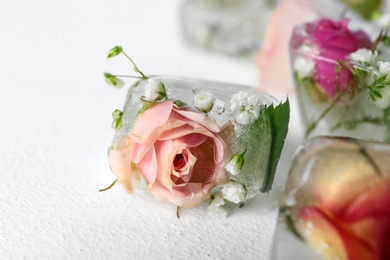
x=273, y=59
x=176, y=150
x=334, y=42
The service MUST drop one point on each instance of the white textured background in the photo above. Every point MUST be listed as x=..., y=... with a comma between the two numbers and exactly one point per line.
x=55, y=117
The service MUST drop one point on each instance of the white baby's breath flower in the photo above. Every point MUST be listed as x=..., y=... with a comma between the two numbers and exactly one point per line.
x=216, y=206
x=384, y=67
x=234, y=192
x=154, y=90
x=363, y=55
x=303, y=67
x=245, y=107
x=204, y=101
x=384, y=101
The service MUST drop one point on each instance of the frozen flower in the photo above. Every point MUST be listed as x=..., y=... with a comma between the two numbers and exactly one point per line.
x=234, y=192
x=154, y=90
x=204, y=101
x=363, y=55
x=303, y=67
x=216, y=206
x=384, y=67
x=235, y=164
x=245, y=107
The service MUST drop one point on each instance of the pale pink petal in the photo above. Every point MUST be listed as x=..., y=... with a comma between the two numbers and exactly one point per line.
x=167, y=152
x=198, y=117
x=120, y=160
x=273, y=61
x=148, y=166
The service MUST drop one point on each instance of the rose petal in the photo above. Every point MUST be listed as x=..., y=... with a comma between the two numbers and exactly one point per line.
x=328, y=237
x=149, y=126
x=167, y=152
x=374, y=203
x=376, y=233
x=200, y=118
x=120, y=160
x=148, y=166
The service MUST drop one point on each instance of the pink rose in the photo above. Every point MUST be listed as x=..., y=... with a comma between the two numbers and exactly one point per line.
x=176, y=150
x=334, y=42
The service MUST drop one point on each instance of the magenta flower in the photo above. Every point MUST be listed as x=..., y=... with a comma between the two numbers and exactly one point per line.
x=333, y=42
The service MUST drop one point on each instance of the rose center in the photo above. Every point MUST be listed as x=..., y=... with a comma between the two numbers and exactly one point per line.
x=179, y=161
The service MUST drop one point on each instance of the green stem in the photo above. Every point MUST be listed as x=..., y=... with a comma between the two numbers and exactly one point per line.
x=313, y=125
x=109, y=187
x=371, y=161
x=354, y=123
x=135, y=66
x=127, y=76
x=290, y=223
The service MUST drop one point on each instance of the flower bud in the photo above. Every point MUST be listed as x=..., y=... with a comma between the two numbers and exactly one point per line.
x=235, y=165
x=113, y=81
x=204, y=101
x=114, y=51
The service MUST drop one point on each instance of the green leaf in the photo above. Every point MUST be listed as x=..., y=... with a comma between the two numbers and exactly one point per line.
x=113, y=81
x=114, y=51
x=279, y=117
x=381, y=79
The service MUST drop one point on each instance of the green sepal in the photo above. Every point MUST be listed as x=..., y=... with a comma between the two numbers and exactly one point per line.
x=179, y=103
x=146, y=105
x=114, y=51
x=279, y=117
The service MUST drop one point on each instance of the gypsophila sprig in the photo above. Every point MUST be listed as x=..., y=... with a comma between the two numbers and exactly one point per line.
x=113, y=80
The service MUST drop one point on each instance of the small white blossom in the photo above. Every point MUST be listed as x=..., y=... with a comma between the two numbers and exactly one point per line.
x=245, y=107
x=384, y=101
x=204, y=101
x=363, y=55
x=304, y=67
x=216, y=206
x=235, y=164
x=154, y=90
x=234, y=192
x=384, y=67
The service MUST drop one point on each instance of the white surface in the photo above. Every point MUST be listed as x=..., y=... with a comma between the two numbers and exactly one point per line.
x=55, y=117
